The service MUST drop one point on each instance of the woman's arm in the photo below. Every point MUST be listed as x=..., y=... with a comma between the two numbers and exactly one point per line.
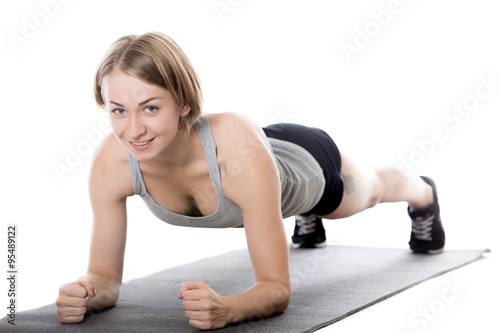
x=108, y=237
x=256, y=189
x=252, y=182
x=108, y=189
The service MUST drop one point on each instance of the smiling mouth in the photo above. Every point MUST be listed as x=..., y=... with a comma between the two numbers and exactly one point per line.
x=141, y=143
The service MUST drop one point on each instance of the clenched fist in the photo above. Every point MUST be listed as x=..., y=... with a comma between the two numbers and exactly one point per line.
x=72, y=300
x=205, y=308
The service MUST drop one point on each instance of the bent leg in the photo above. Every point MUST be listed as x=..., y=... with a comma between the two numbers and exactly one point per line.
x=364, y=188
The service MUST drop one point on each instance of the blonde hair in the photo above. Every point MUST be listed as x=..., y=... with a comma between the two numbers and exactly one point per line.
x=156, y=59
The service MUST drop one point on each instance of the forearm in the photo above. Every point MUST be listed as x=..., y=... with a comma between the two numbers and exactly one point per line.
x=107, y=292
x=262, y=300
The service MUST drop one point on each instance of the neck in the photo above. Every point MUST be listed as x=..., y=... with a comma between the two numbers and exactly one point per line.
x=183, y=149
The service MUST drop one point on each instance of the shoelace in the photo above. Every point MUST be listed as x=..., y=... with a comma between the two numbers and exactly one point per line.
x=422, y=228
x=306, y=224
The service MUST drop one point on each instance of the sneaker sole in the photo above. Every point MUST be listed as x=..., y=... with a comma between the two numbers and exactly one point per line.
x=438, y=251
x=316, y=245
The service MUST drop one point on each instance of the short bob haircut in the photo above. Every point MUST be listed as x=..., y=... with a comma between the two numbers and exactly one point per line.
x=156, y=59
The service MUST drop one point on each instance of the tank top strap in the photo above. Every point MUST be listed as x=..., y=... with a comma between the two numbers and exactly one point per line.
x=135, y=173
x=202, y=126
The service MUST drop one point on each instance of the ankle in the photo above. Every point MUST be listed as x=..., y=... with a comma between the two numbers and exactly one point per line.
x=425, y=200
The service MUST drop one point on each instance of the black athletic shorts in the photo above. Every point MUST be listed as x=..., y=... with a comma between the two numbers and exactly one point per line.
x=321, y=146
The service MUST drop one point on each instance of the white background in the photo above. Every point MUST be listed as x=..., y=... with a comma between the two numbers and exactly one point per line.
x=274, y=61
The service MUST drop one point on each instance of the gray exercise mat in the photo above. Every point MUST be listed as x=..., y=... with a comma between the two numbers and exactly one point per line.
x=343, y=279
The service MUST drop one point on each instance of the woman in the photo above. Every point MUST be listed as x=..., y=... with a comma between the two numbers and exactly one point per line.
x=218, y=170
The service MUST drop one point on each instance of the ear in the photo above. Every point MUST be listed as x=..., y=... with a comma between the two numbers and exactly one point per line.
x=185, y=110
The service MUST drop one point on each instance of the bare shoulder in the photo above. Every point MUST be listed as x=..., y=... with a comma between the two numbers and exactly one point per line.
x=235, y=133
x=244, y=157
x=229, y=122
x=110, y=171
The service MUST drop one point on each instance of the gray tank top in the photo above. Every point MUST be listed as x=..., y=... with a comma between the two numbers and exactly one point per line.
x=301, y=177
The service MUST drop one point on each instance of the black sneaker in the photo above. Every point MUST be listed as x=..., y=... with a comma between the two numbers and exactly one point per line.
x=427, y=234
x=309, y=232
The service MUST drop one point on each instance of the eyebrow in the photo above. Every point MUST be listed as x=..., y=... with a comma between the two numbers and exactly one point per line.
x=140, y=104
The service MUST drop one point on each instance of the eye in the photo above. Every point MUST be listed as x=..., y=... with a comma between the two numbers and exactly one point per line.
x=118, y=112
x=150, y=109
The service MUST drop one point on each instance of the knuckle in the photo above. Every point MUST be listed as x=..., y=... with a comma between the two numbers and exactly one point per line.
x=208, y=325
x=61, y=301
x=74, y=319
x=67, y=319
x=206, y=294
x=205, y=326
x=205, y=316
x=82, y=279
x=205, y=306
x=63, y=289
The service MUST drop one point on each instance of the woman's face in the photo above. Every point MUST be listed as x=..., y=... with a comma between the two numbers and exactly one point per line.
x=144, y=117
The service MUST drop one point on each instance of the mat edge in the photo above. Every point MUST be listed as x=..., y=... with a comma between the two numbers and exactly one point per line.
x=378, y=300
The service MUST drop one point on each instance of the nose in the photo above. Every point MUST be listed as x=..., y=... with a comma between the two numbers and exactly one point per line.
x=136, y=127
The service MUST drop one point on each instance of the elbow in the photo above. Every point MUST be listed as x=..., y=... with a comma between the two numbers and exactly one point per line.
x=286, y=301
x=113, y=299
x=281, y=298
x=111, y=295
